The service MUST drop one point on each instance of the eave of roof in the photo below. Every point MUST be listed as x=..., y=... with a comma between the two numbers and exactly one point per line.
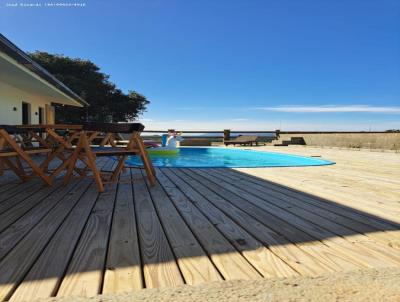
x=11, y=50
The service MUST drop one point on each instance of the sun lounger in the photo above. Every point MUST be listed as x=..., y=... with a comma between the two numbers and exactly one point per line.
x=196, y=142
x=243, y=140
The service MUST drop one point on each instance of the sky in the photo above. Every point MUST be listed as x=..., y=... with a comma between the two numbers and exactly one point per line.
x=233, y=64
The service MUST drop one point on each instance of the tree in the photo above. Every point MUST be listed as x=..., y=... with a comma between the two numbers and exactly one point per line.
x=107, y=102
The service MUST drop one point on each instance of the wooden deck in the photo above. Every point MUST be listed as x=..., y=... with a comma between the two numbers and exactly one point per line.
x=199, y=225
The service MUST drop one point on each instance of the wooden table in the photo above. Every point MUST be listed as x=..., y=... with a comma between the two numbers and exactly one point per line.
x=54, y=141
x=87, y=153
x=10, y=148
x=83, y=150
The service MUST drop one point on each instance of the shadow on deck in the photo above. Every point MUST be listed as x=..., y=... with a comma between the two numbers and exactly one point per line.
x=194, y=226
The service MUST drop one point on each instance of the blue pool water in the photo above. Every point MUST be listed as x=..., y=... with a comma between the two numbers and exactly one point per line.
x=228, y=158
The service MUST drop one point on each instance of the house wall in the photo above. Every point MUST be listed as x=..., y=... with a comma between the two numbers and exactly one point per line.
x=11, y=97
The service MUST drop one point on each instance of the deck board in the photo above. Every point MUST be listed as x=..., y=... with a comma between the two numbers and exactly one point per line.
x=25, y=190
x=22, y=226
x=123, y=267
x=193, y=261
x=322, y=229
x=7, y=186
x=18, y=208
x=199, y=225
x=15, y=265
x=364, y=228
x=266, y=262
x=45, y=275
x=323, y=259
x=225, y=256
x=85, y=271
x=159, y=265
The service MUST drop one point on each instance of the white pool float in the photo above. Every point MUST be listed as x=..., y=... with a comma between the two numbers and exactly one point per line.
x=171, y=146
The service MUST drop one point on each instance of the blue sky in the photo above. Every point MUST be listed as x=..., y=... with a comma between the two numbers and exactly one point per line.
x=244, y=65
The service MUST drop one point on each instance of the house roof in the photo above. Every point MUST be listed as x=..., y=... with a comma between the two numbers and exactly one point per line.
x=11, y=50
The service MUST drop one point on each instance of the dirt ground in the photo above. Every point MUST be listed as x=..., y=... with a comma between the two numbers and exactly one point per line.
x=364, y=285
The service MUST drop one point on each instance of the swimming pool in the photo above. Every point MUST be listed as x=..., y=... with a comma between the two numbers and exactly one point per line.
x=228, y=158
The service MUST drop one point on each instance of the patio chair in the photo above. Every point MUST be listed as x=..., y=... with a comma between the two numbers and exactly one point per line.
x=243, y=140
x=10, y=148
x=87, y=153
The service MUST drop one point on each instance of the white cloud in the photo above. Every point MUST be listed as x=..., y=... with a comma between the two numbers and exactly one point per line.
x=239, y=119
x=332, y=108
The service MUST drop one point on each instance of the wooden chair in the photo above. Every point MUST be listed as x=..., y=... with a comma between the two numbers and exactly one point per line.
x=9, y=148
x=87, y=153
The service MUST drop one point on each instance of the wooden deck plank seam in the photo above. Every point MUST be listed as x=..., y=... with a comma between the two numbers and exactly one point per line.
x=190, y=229
x=160, y=222
x=163, y=227
x=114, y=224
x=277, y=230
x=78, y=182
x=260, y=221
x=205, y=217
x=321, y=209
x=359, y=199
x=108, y=238
x=307, y=207
x=333, y=233
x=8, y=186
x=267, y=202
x=52, y=242
x=56, y=289
x=108, y=241
x=38, y=203
x=34, y=225
x=25, y=186
x=9, y=204
x=194, y=204
x=300, y=206
x=235, y=221
x=70, y=284
x=226, y=244
x=159, y=265
x=357, y=215
x=15, y=286
x=33, y=206
x=316, y=198
x=137, y=229
x=193, y=233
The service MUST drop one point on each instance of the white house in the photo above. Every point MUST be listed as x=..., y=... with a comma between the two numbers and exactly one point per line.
x=27, y=90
